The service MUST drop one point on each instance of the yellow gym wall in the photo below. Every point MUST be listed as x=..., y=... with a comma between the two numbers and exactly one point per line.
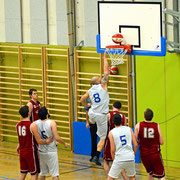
x=158, y=88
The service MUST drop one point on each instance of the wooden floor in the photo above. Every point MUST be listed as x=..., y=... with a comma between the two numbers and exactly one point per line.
x=72, y=166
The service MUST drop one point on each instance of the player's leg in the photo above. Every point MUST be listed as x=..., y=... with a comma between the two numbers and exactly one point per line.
x=42, y=177
x=123, y=174
x=132, y=178
x=93, y=130
x=55, y=178
x=22, y=176
x=150, y=177
x=34, y=177
x=129, y=167
x=106, y=167
x=110, y=178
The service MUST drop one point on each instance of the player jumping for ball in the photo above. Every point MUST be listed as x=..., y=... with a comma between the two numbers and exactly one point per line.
x=99, y=108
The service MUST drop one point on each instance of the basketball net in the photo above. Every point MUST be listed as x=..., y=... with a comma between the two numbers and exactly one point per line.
x=116, y=55
x=117, y=52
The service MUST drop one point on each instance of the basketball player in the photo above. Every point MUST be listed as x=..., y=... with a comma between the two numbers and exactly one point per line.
x=121, y=139
x=34, y=105
x=107, y=153
x=150, y=139
x=48, y=153
x=99, y=108
x=93, y=130
x=29, y=161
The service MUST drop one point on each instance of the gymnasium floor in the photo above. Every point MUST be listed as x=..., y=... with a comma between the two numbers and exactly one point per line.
x=72, y=166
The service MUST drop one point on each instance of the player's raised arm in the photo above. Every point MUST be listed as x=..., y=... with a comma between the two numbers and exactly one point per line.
x=106, y=72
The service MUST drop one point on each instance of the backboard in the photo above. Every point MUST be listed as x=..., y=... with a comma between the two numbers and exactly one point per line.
x=139, y=22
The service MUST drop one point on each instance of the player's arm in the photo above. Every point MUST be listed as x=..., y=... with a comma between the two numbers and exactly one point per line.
x=160, y=136
x=136, y=131
x=30, y=107
x=83, y=99
x=112, y=144
x=38, y=138
x=106, y=72
x=134, y=141
x=87, y=120
x=17, y=149
x=56, y=135
x=108, y=117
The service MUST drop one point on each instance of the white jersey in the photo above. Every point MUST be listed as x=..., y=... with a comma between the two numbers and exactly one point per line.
x=99, y=98
x=44, y=129
x=123, y=141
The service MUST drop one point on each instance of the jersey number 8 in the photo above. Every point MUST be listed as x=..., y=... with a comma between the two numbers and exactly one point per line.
x=96, y=98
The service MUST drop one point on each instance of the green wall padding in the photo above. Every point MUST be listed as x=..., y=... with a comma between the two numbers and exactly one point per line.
x=158, y=87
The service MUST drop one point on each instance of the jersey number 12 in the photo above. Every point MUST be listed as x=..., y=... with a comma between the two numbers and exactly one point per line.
x=148, y=133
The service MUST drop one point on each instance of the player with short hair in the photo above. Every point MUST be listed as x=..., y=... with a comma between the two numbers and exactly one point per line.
x=99, y=108
x=29, y=161
x=34, y=105
x=47, y=153
x=121, y=140
x=107, y=152
x=150, y=138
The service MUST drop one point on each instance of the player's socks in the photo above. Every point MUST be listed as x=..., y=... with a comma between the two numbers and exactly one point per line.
x=96, y=158
x=98, y=154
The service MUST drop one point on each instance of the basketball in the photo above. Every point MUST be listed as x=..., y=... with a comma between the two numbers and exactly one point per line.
x=117, y=38
x=113, y=70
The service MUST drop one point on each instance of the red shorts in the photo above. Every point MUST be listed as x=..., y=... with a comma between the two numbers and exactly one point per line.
x=154, y=165
x=29, y=162
x=107, y=151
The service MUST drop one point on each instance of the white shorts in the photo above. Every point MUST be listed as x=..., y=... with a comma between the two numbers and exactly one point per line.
x=117, y=168
x=49, y=164
x=101, y=121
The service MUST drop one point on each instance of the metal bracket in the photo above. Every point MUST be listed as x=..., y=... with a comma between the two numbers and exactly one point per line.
x=81, y=44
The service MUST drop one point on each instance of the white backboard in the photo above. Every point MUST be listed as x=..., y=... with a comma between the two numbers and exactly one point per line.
x=139, y=22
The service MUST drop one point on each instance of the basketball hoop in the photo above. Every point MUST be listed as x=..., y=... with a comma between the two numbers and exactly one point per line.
x=117, y=52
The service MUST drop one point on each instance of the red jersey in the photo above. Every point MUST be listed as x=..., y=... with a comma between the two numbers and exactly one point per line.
x=35, y=108
x=29, y=161
x=26, y=140
x=106, y=152
x=148, y=138
x=111, y=123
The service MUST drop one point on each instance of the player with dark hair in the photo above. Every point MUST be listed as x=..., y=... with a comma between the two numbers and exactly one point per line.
x=121, y=140
x=150, y=138
x=34, y=105
x=107, y=153
x=29, y=161
x=48, y=153
x=99, y=107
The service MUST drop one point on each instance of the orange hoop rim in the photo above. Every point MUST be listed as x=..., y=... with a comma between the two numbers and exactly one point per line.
x=121, y=46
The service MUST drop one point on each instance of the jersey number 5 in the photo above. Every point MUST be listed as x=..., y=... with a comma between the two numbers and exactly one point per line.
x=22, y=130
x=123, y=140
x=148, y=133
